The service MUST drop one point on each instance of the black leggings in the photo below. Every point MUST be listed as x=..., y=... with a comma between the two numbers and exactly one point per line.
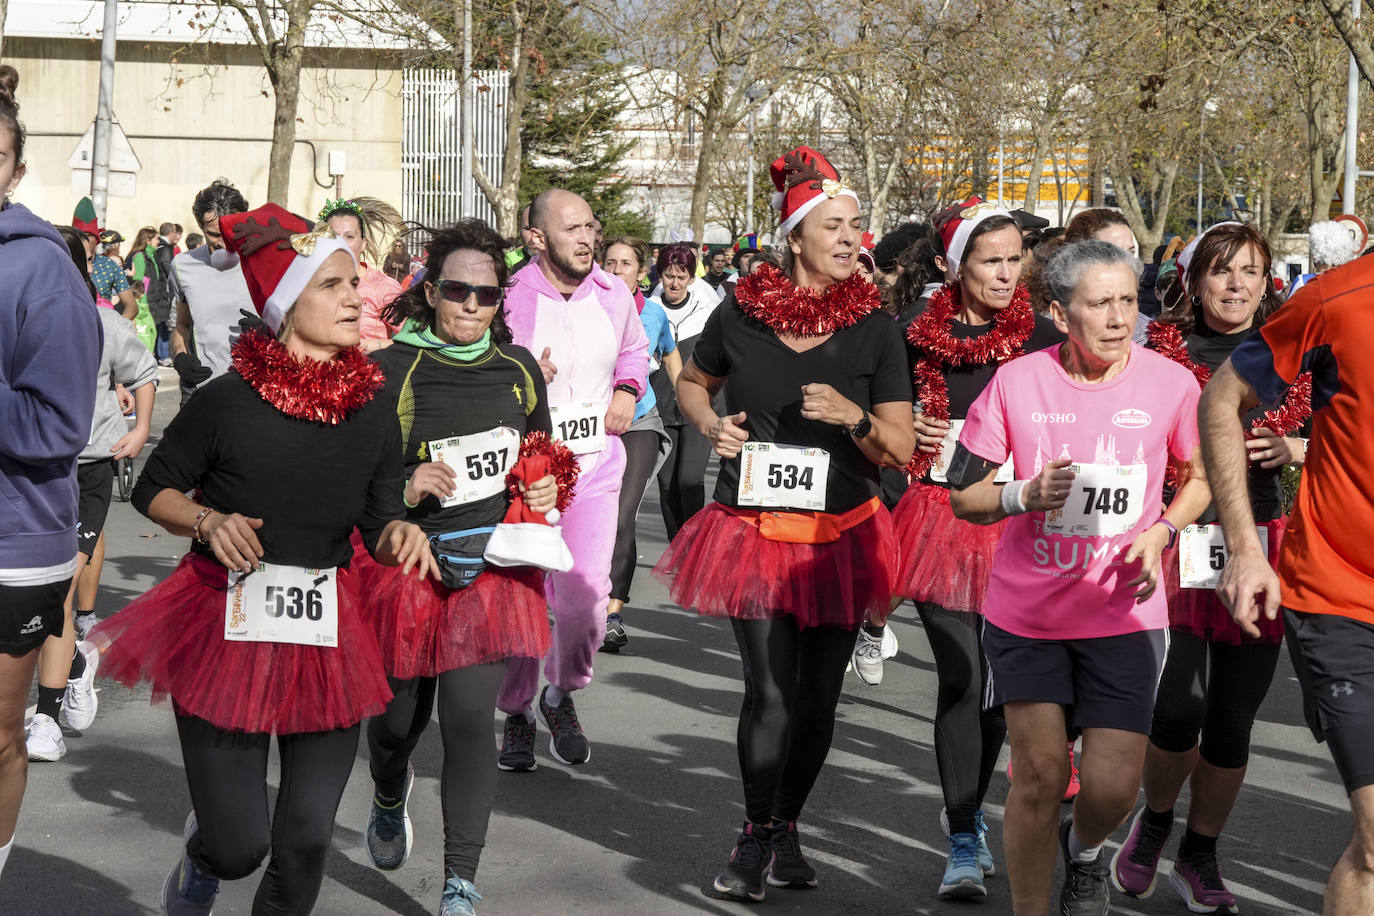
x=682, y=479
x=641, y=451
x=1221, y=705
x=968, y=740
x=792, y=681
x=467, y=700
x=227, y=775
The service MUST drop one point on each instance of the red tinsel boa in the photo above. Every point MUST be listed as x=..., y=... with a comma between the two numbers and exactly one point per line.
x=305, y=388
x=1167, y=340
x=941, y=351
x=562, y=465
x=767, y=295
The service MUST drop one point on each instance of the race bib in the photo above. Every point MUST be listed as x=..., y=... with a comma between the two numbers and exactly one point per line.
x=580, y=426
x=940, y=468
x=1107, y=500
x=480, y=460
x=283, y=604
x=1202, y=555
x=783, y=476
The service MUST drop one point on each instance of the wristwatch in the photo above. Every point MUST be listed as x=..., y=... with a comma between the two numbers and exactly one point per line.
x=862, y=428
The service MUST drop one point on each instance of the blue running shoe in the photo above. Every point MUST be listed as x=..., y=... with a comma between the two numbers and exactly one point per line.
x=963, y=877
x=459, y=897
x=389, y=835
x=984, y=851
x=188, y=891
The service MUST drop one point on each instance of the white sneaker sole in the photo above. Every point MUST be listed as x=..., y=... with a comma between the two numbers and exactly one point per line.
x=48, y=756
x=82, y=716
x=1186, y=892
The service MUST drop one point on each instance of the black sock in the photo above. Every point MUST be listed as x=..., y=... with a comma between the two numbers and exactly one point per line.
x=50, y=700
x=85, y=613
x=875, y=630
x=78, y=665
x=1197, y=846
x=1161, y=820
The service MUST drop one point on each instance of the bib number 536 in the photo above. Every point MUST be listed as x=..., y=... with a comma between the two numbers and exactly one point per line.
x=294, y=602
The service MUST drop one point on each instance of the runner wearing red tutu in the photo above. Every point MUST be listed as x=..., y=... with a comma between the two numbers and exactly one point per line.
x=977, y=321
x=467, y=398
x=797, y=547
x=1215, y=676
x=259, y=631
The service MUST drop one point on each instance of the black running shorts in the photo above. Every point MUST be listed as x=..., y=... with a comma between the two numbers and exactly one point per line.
x=1333, y=657
x=94, y=481
x=30, y=614
x=1109, y=681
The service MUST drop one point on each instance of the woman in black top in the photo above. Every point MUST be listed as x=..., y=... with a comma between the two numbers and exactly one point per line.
x=797, y=547
x=467, y=399
x=969, y=327
x=259, y=631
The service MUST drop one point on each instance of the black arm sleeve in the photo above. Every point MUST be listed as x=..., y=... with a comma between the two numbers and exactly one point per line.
x=966, y=468
x=384, y=503
x=538, y=419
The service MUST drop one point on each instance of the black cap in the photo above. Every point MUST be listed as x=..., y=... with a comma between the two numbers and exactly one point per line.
x=895, y=242
x=110, y=237
x=1029, y=220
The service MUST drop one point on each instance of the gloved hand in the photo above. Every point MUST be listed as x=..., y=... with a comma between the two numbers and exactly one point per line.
x=249, y=322
x=190, y=369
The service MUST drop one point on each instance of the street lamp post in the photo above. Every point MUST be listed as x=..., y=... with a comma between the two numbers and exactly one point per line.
x=753, y=93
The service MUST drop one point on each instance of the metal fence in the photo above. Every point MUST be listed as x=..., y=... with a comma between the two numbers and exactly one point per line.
x=431, y=164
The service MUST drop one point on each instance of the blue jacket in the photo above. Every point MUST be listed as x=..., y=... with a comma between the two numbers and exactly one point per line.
x=50, y=341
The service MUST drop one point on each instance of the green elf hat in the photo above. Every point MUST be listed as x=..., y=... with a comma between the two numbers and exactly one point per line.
x=84, y=219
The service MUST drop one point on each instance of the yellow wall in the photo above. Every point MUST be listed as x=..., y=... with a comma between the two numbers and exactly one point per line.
x=195, y=114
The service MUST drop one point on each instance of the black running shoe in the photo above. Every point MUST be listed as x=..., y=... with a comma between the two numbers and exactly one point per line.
x=517, y=746
x=1085, y=883
x=567, y=744
x=788, y=868
x=743, y=875
x=615, y=634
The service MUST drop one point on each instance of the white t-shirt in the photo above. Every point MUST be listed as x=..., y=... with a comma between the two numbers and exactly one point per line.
x=215, y=298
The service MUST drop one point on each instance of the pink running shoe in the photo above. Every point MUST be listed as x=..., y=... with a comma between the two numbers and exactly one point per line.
x=1136, y=862
x=1071, y=790
x=1198, y=882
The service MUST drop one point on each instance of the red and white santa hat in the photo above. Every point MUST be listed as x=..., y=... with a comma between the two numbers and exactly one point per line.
x=280, y=253
x=803, y=178
x=955, y=231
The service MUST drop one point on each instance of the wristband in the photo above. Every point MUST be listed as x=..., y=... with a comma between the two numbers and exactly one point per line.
x=1012, y=503
x=195, y=526
x=629, y=389
x=407, y=503
x=1173, y=532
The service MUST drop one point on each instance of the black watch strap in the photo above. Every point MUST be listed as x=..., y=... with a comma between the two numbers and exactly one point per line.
x=863, y=427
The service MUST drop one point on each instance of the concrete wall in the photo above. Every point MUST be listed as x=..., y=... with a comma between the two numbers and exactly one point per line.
x=197, y=113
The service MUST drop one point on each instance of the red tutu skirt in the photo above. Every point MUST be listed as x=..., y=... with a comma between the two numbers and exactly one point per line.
x=720, y=565
x=944, y=560
x=424, y=628
x=173, y=637
x=1199, y=611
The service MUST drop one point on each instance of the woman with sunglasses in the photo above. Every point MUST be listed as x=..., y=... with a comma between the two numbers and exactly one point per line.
x=467, y=399
x=260, y=630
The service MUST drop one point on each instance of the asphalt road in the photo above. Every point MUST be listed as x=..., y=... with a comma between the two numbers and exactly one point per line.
x=644, y=826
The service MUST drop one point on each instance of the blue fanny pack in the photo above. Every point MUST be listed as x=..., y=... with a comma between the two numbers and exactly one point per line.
x=459, y=554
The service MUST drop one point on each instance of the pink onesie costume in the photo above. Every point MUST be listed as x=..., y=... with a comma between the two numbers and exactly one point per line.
x=596, y=341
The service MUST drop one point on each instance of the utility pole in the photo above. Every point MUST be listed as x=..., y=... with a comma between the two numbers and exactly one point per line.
x=465, y=116
x=104, y=117
x=1352, y=127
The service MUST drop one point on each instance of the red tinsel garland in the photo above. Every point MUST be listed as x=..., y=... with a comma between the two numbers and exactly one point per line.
x=562, y=465
x=1287, y=418
x=305, y=388
x=767, y=295
x=941, y=351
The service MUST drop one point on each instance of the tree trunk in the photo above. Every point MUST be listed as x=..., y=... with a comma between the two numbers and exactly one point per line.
x=1340, y=12
x=707, y=150
x=4, y=8
x=285, y=75
x=505, y=199
x=1037, y=166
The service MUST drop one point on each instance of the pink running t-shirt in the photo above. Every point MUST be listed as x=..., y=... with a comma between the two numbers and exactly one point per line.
x=1061, y=575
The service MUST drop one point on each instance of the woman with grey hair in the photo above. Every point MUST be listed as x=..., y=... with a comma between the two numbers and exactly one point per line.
x=1072, y=618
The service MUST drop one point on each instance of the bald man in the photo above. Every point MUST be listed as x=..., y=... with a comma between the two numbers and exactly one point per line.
x=582, y=324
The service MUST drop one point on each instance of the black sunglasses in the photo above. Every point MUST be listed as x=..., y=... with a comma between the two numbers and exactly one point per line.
x=458, y=291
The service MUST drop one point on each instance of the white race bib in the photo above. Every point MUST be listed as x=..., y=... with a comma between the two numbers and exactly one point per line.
x=283, y=604
x=480, y=460
x=940, y=468
x=1107, y=500
x=783, y=476
x=1202, y=554
x=580, y=426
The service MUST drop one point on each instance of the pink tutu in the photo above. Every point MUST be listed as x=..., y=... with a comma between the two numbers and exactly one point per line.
x=425, y=629
x=173, y=637
x=720, y=565
x=944, y=560
x=1199, y=611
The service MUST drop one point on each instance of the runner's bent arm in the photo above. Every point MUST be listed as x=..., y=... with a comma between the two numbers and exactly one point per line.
x=1224, y=402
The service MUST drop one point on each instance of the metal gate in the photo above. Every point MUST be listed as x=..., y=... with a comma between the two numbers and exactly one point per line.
x=431, y=165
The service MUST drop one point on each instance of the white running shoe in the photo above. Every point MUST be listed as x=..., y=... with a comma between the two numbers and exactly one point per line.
x=84, y=624
x=79, y=702
x=44, y=739
x=868, y=658
x=889, y=649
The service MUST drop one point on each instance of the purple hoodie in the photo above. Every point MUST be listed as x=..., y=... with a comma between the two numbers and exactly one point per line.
x=50, y=341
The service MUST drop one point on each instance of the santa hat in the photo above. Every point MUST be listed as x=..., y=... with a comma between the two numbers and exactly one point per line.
x=280, y=253
x=524, y=537
x=84, y=219
x=803, y=178
x=955, y=231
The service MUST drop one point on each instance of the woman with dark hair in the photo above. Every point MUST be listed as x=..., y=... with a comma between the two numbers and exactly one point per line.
x=1215, y=676
x=917, y=278
x=260, y=631
x=797, y=546
x=469, y=405
x=688, y=302
x=646, y=442
x=971, y=326
x=50, y=340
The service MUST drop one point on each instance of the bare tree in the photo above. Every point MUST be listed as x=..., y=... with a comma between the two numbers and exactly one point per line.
x=4, y=11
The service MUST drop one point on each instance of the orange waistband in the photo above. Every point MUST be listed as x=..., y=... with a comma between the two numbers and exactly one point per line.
x=804, y=527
